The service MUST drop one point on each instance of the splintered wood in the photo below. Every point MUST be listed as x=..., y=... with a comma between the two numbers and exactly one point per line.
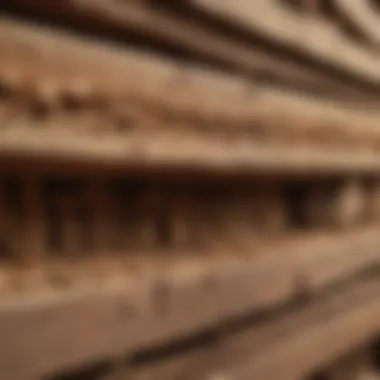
x=189, y=190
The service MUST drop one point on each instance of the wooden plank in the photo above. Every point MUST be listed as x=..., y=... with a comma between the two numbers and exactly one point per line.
x=293, y=345
x=204, y=100
x=228, y=353
x=362, y=17
x=52, y=329
x=279, y=23
x=49, y=67
x=191, y=152
x=191, y=36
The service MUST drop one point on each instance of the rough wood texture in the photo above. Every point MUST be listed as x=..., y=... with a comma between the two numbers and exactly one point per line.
x=276, y=21
x=124, y=317
x=176, y=28
x=199, y=211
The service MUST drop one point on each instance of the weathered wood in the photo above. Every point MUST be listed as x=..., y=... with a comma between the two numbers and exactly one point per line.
x=190, y=36
x=166, y=237
x=294, y=29
x=123, y=320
